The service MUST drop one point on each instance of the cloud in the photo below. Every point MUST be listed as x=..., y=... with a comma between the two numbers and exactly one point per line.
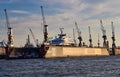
x=8, y=1
x=19, y=12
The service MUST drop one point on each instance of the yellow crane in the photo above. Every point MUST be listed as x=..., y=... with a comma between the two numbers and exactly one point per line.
x=9, y=31
x=45, y=30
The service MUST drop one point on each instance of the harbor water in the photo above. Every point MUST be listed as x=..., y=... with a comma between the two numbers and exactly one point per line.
x=107, y=66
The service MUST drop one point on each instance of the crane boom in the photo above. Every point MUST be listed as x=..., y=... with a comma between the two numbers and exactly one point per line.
x=34, y=37
x=102, y=28
x=78, y=31
x=7, y=22
x=43, y=17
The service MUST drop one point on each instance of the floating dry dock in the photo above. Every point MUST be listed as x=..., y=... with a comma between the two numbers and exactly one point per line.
x=52, y=51
x=72, y=51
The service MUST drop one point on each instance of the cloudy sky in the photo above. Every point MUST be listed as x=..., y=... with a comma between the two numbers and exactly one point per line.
x=25, y=14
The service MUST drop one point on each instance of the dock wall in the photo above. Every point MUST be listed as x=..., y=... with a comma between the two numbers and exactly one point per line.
x=23, y=52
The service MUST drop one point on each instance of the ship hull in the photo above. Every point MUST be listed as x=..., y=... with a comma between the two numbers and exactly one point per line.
x=16, y=53
x=68, y=51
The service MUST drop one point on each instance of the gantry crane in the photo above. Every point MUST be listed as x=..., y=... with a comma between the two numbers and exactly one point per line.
x=104, y=34
x=9, y=31
x=79, y=34
x=45, y=30
x=35, y=40
x=113, y=36
x=90, y=38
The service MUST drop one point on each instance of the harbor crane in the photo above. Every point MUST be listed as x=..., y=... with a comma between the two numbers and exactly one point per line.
x=104, y=34
x=45, y=30
x=98, y=40
x=113, y=36
x=79, y=34
x=35, y=40
x=9, y=31
x=90, y=38
x=74, y=36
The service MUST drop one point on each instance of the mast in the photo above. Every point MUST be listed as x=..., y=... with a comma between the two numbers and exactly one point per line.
x=90, y=38
x=45, y=30
x=9, y=31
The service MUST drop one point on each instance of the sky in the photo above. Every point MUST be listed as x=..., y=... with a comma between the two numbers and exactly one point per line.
x=25, y=14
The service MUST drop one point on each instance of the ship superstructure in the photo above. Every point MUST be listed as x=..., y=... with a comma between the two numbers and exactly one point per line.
x=62, y=39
